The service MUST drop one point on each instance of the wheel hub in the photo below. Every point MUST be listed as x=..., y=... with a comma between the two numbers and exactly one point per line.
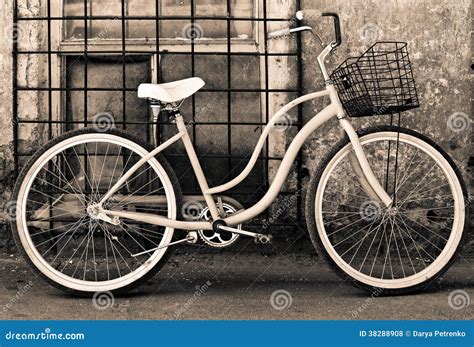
x=96, y=212
x=93, y=211
x=392, y=211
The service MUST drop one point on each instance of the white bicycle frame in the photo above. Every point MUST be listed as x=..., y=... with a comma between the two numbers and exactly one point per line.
x=360, y=165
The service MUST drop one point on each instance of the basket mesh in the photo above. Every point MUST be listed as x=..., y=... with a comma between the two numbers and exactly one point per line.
x=379, y=82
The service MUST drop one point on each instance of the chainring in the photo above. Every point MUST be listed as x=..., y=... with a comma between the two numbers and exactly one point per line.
x=218, y=239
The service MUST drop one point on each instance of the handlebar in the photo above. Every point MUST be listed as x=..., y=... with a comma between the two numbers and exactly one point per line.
x=288, y=31
x=337, y=27
x=278, y=33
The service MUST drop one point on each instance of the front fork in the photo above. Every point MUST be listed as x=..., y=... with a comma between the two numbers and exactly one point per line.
x=362, y=168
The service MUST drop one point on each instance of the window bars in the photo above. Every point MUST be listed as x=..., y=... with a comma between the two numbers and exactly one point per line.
x=55, y=120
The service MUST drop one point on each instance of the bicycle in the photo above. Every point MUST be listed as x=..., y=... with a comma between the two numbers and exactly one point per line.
x=97, y=211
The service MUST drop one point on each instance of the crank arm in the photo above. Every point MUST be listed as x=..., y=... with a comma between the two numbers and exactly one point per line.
x=190, y=238
x=258, y=237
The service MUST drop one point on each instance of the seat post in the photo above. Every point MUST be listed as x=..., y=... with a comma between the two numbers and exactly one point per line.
x=155, y=106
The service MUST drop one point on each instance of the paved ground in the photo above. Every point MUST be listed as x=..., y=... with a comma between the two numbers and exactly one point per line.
x=234, y=286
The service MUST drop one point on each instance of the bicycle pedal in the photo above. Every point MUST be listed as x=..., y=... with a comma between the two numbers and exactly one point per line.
x=262, y=238
x=192, y=237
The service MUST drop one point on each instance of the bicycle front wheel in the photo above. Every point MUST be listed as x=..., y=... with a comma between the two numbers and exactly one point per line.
x=392, y=250
x=60, y=237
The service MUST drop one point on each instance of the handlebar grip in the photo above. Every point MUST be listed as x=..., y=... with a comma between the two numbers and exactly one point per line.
x=278, y=33
x=337, y=26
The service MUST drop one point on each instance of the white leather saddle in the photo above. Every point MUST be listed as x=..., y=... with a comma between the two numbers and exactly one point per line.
x=172, y=91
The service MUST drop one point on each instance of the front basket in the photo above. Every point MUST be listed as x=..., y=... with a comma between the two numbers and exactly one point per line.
x=379, y=82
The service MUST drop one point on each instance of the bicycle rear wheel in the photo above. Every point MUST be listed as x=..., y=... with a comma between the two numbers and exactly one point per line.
x=390, y=250
x=60, y=237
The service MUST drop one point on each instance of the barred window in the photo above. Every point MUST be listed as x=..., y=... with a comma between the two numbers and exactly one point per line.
x=143, y=28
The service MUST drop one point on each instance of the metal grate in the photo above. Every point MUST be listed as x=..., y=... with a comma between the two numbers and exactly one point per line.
x=378, y=82
x=55, y=123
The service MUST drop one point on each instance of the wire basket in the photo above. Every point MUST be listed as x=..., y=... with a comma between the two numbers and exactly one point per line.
x=379, y=82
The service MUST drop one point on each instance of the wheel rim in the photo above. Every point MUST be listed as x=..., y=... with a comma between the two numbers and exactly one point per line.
x=368, y=246
x=118, y=242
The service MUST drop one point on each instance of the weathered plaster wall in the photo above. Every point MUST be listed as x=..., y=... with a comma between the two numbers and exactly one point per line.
x=438, y=35
x=30, y=105
x=5, y=91
x=6, y=148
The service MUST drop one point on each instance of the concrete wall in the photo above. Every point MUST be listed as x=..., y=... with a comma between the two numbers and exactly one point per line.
x=6, y=148
x=438, y=35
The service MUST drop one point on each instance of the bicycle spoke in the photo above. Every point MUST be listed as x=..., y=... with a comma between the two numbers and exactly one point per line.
x=361, y=242
x=406, y=248
x=79, y=223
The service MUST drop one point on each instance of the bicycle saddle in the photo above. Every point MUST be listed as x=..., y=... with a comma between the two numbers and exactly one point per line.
x=172, y=91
